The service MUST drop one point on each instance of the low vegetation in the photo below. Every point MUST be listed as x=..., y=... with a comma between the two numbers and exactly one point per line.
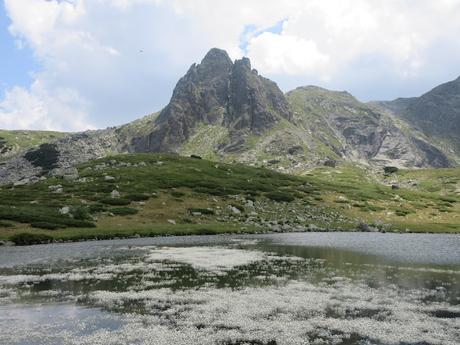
x=159, y=194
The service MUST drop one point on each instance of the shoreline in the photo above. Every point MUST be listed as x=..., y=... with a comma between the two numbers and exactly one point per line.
x=30, y=238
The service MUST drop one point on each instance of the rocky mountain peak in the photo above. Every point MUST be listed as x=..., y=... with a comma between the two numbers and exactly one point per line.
x=216, y=62
x=221, y=93
x=243, y=63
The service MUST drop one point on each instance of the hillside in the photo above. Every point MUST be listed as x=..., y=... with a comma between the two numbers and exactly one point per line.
x=14, y=141
x=158, y=194
x=356, y=132
x=436, y=114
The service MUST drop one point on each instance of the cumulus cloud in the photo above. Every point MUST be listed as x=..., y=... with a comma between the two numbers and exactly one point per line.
x=37, y=109
x=120, y=59
x=287, y=54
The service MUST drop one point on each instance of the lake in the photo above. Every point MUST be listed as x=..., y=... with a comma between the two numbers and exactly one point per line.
x=273, y=289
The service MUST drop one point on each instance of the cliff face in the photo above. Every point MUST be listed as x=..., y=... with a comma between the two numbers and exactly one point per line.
x=216, y=92
x=355, y=131
x=436, y=114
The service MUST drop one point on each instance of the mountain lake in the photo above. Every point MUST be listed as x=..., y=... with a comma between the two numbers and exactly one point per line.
x=272, y=289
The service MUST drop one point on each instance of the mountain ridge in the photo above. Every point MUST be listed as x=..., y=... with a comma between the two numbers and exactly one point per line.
x=436, y=114
x=225, y=111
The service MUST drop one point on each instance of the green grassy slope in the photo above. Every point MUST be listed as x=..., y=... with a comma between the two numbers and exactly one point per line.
x=158, y=194
x=17, y=140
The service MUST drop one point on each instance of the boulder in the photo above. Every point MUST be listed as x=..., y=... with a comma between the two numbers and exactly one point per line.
x=330, y=163
x=115, y=194
x=64, y=210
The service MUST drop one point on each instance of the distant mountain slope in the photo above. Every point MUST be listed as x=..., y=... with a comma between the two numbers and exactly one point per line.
x=356, y=132
x=436, y=114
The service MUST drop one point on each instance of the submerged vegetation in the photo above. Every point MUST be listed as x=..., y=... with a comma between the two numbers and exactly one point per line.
x=160, y=194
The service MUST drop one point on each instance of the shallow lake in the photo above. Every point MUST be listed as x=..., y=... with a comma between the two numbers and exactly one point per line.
x=298, y=288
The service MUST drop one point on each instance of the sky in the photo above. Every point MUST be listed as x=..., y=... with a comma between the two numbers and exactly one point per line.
x=74, y=65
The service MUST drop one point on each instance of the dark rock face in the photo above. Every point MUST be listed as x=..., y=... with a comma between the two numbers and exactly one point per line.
x=360, y=132
x=216, y=91
x=45, y=157
x=255, y=103
x=436, y=114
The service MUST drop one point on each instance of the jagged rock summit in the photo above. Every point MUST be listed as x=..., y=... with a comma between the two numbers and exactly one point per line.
x=217, y=92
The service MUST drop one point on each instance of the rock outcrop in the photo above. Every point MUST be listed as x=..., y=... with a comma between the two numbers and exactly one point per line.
x=216, y=92
x=436, y=115
x=355, y=131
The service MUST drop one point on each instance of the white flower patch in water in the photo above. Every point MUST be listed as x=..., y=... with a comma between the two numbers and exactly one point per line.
x=212, y=259
x=298, y=313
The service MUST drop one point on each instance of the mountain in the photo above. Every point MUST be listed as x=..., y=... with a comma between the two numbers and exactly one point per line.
x=220, y=93
x=225, y=111
x=436, y=114
x=357, y=132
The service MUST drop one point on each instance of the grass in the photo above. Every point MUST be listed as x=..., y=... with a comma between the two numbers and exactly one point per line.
x=157, y=190
x=18, y=140
x=40, y=236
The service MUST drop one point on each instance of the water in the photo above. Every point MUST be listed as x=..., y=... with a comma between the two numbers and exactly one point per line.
x=308, y=288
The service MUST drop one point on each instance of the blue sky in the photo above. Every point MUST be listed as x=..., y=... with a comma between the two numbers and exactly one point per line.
x=16, y=64
x=81, y=64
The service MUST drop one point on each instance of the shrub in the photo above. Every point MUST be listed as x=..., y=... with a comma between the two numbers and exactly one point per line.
x=390, y=170
x=123, y=211
x=46, y=225
x=81, y=213
x=402, y=212
x=137, y=197
x=374, y=208
x=25, y=238
x=81, y=224
x=280, y=196
x=115, y=201
x=95, y=208
x=201, y=210
x=204, y=231
x=177, y=194
x=238, y=207
x=5, y=225
x=448, y=199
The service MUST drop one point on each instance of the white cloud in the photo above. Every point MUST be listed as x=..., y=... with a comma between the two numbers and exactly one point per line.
x=286, y=54
x=37, y=109
x=119, y=59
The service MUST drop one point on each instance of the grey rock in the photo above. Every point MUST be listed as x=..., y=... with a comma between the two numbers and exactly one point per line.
x=115, y=194
x=64, y=210
x=233, y=209
x=54, y=188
